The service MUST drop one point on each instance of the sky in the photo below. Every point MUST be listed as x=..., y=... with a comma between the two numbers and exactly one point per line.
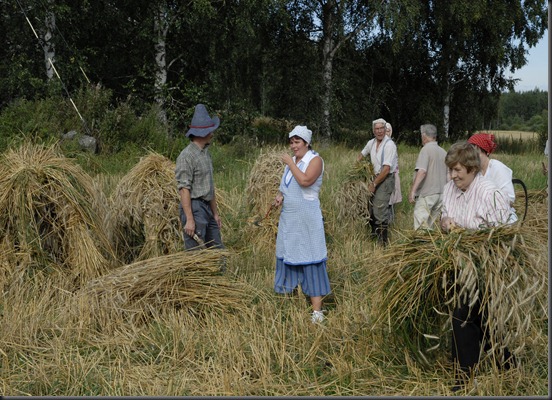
x=535, y=73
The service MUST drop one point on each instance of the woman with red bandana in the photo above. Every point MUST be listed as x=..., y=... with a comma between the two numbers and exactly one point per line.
x=494, y=170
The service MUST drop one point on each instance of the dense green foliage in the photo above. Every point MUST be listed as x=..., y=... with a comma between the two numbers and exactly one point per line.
x=118, y=127
x=402, y=60
x=525, y=111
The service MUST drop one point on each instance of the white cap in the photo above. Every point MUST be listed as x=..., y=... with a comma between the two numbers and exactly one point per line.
x=303, y=132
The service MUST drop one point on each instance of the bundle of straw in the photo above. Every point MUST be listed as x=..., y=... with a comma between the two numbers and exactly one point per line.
x=263, y=186
x=50, y=214
x=353, y=199
x=144, y=218
x=423, y=276
x=188, y=280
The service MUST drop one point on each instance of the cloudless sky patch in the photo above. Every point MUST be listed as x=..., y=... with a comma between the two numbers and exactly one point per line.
x=535, y=73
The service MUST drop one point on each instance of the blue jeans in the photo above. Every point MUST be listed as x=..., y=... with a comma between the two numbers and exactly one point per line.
x=206, y=226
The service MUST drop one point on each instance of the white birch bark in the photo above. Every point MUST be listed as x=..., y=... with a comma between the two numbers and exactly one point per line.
x=47, y=44
x=446, y=113
x=161, y=28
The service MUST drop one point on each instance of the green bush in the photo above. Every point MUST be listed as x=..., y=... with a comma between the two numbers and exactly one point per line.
x=25, y=120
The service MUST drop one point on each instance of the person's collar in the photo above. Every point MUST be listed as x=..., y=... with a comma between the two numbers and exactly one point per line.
x=473, y=183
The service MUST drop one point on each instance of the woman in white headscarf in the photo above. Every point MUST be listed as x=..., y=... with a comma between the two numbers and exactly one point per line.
x=301, y=244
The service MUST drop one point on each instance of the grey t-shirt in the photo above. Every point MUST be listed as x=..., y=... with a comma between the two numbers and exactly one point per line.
x=432, y=160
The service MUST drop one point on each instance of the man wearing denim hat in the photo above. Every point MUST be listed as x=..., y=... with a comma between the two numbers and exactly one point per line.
x=194, y=177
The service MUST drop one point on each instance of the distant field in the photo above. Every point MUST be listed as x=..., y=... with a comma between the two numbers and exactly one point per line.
x=514, y=135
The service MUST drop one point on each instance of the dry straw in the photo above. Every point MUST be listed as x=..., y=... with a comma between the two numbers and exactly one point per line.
x=129, y=295
x=424, y=275
x=144, y=219
x=353, y=198
x=262, y=187
x=50, y=215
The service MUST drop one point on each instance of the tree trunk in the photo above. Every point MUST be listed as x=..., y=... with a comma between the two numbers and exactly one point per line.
x=47, y=44
x=327, y=57
x=446, y=114
x=446, y=109
x=161, y=28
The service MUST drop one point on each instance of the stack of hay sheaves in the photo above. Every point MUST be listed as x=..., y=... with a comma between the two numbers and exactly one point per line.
x=420, y=278
x=144, y=219
x=353, y=198
x=50, y=218
x=262, y=187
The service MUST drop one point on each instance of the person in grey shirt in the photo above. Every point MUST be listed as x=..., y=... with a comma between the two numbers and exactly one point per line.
x=429, y=179
x=194, y=177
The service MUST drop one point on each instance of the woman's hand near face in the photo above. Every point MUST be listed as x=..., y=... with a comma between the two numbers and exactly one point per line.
x=287, y=159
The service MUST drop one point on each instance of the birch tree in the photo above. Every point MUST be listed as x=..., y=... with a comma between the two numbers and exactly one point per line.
x=47, y=40
x=161, y=28
x=335, y=23
x=476, y=44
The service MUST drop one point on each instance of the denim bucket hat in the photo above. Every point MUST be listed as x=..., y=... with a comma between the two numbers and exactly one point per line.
x=202, y=124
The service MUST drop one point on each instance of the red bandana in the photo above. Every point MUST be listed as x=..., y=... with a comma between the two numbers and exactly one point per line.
x=485, y=141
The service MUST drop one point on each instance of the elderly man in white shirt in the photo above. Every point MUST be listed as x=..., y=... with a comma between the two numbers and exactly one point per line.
x=383, y=155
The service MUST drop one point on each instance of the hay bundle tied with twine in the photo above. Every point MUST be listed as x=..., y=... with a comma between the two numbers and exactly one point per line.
x=51, y=215
x=144, y=218
x=355, y=194
x=190, y=280
x=421, y=278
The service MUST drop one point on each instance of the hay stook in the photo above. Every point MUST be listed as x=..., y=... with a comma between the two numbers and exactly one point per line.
x=130, y=295
x=50, y=215
x=263, y=186
x=144, y=218
x=353, y=198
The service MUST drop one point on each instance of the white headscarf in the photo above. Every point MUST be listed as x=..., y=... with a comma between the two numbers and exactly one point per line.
x=303, y=132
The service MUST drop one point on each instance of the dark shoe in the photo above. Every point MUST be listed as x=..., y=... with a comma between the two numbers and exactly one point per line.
x=461, y=384
x=373, y=228
x=382, y=232
x=457, y=386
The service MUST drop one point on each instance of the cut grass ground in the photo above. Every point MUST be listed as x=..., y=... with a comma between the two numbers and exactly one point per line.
x=267, y=347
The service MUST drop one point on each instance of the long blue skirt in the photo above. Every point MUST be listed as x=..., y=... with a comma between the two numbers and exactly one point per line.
x=313, y=278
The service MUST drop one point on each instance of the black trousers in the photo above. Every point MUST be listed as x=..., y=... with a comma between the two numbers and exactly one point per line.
x=468, y=335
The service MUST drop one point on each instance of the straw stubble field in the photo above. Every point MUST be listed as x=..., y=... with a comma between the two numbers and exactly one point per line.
x=146, y=319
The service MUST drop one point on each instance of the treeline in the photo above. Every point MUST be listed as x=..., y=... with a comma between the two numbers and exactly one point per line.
x=525, y=111
x=332, y=64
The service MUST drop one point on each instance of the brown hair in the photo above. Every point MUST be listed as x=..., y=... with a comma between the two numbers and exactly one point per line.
x=465, y=154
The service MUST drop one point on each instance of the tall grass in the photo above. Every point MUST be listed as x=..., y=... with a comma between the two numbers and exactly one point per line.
x=265, y=348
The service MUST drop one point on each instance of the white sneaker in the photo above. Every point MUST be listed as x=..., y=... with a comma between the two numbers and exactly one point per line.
x=317, y=317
